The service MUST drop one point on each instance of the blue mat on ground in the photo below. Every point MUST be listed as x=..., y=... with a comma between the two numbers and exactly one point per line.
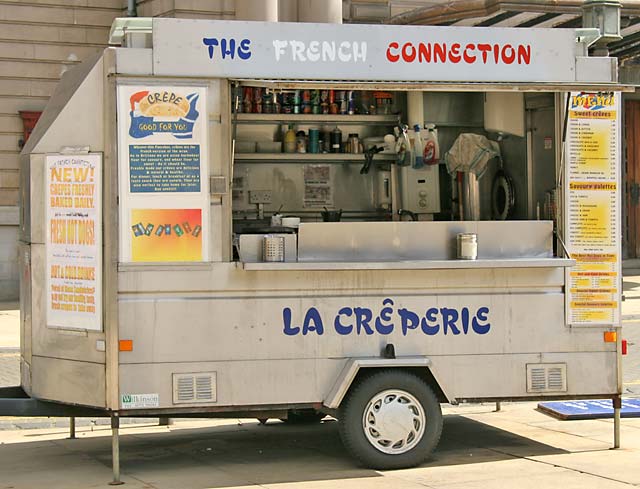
x=593, y=409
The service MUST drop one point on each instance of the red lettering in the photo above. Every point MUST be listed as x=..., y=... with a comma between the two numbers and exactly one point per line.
x=524, y=54
x=424, y=52
x=496, y=53
x=508, y=54
x=440, y=51
x=484, y=49
x=390, y=56
x=405, y=52
x=454, y=53
x=467, y=58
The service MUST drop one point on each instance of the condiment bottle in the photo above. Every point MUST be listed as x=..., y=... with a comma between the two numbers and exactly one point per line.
x=301, y=142
x=336, y=140
x=290, y=140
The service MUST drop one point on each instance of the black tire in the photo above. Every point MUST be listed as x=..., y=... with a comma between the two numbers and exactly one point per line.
x=352, y=426
x=303, y=416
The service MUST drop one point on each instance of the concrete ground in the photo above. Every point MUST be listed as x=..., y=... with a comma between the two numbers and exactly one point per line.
x=516, y=447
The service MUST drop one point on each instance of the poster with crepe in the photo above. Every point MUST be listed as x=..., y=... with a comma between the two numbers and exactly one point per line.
x=163, y=168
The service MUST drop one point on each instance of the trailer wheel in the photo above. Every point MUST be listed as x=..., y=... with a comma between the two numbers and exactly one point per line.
x=390, y=420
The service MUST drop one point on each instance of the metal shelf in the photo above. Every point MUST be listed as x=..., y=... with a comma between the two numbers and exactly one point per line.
x=244, y=118
x=310, y=157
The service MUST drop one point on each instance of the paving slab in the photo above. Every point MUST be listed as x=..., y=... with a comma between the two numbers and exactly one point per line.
x=9, y=327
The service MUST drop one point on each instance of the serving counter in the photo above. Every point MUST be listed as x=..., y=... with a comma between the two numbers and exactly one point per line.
x=409, y=246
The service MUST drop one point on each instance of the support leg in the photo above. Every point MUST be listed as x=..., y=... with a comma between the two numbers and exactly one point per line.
x=115, y=450
x=72, y=428
x=164, y=421
x=617, y=405
x=498, y=406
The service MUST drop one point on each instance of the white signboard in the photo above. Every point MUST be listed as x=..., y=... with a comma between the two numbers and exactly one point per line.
x=138, y=401
x=164, y=187
x=74, y=241
x=592, y=220
x=282, y=50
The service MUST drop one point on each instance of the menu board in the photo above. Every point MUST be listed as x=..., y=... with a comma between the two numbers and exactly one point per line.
x=592, y=222
x=73, y=241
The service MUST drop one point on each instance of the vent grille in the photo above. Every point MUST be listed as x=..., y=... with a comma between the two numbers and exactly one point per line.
x=194, y=387
x=546, y=377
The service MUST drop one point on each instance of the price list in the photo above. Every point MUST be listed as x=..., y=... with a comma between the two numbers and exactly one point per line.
x=592, y=218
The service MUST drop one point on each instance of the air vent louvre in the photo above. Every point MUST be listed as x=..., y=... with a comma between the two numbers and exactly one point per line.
x=203, y=388
x=547, y=377
x=185, y=388
x=194, y=387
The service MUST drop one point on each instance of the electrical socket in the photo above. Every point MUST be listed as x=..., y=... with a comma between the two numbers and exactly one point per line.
x=260, y=196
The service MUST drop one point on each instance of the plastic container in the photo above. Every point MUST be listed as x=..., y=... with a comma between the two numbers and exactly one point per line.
x=418, y=148
x=467, y=246
x=301, y=142
x=314, y=140
x=431, y=152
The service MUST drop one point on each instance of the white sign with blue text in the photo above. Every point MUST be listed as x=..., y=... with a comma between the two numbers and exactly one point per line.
x=228, y=49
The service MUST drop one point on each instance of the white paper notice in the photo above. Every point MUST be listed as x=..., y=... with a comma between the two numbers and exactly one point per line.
x=73, y=241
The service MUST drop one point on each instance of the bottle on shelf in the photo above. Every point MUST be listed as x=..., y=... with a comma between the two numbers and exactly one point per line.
x=418, y=147
x=290, y=140
x=301, y=142
x=431, y=148
x=336, y=140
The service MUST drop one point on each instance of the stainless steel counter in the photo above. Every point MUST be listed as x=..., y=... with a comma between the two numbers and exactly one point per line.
x=412, y=264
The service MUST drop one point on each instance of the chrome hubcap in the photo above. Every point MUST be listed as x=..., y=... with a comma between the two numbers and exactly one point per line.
x=393, y=421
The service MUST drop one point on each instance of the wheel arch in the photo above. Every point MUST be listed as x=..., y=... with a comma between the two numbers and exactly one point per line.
x=357, y=368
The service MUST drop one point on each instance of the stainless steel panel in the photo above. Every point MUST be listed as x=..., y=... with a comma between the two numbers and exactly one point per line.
x=414, y=265
x=389, y=241
x=68, y=381
x=351, y=190
x=37, y=209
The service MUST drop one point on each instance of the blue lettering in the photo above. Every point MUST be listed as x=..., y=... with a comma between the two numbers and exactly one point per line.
x=340, y=328
x=228, y=47
x=312, y=322
x=408, y=320
x=481, y=315
x=430, y=317
x=449, y=318
x=211, y=42
x=363, y=316
x=244, y=51
x=385, y=315
x=286, y=318
x=228, y=51
x=465, y=320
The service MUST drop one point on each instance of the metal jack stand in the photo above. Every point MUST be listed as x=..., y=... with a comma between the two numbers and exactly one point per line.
x=115, y=450
x=617, y=405
x=72, y=428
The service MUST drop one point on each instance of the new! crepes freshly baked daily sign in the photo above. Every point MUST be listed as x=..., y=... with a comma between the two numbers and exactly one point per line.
x=232, y=49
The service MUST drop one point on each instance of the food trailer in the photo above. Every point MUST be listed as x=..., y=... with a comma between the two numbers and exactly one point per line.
x=228, y=218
